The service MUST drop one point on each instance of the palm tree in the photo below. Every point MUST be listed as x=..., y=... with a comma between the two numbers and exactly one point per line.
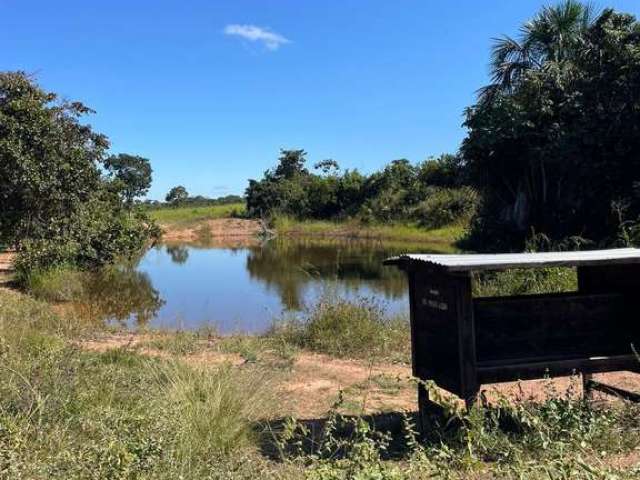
x=552, y=37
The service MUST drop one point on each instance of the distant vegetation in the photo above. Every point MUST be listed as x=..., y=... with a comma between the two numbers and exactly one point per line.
x=189, y=213
x=433, y=193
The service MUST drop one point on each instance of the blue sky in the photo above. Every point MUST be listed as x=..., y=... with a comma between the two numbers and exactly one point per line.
x=211, y=90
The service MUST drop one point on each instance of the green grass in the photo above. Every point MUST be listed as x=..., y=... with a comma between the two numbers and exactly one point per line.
x=191, y=215
x=66, y=412
x=70, y=413
x=442, y=239
x=58, y=284
x=357, y=328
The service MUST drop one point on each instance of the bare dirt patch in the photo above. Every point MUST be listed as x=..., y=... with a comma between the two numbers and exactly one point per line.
x=223, y=230
x=6, y=266
x=313, y=382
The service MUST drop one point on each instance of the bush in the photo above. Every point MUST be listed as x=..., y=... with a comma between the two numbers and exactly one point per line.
x=347, y=328
x=526, y=281
x=446, y=206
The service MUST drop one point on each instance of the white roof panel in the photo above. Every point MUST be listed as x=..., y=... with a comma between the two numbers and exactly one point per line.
x=501, y=261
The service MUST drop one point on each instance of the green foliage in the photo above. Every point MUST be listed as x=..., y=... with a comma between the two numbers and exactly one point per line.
x=526, y=281
x=553, y=148
x=560, y=437
x=177, y=195
x=57, y=284
x=358, y=328
x=192, y=214
x=56, y=207
x=447, y=206
x=385, y=196
x=132, y=173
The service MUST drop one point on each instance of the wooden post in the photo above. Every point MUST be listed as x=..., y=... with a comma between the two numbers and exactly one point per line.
x=586, y=386
x=466, y=339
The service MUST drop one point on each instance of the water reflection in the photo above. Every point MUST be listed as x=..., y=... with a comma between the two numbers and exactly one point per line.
x=289, y=267
x=178, y=253
x=123, y=294
x=246, y=286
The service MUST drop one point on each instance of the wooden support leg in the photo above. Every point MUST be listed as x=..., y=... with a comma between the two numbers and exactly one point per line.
x=470, y=400
x=587, y=388
x=423, y=408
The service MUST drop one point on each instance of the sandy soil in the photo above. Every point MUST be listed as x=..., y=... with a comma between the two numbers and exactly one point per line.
x=223, y=230
x=312, y=383
x=6, y=266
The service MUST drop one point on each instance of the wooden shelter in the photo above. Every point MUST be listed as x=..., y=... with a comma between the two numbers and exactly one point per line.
x=461, y=342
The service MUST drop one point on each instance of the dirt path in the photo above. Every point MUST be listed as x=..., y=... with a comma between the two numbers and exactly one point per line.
x=311, y=383
x=223, y=230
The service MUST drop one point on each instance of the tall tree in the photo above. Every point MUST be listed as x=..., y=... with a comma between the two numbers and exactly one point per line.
x=132, y=174
x=555, y=153
x=551, y=39
x=177, y=194
x=55, y=207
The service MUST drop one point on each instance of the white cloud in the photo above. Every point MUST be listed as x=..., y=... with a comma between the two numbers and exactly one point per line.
x=271, y=40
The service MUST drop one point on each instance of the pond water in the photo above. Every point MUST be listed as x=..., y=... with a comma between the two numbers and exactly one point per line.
x=246, y=288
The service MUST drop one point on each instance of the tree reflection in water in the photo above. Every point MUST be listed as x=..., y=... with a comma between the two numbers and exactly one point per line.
x=123, y=294
x=179, y=253
x=289, y=266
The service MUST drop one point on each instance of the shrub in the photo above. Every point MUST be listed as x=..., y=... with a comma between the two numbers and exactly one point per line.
x=526, y=281
x=353, y=328
x=445, y=206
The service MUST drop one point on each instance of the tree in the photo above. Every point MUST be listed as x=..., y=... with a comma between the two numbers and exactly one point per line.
x=552, y=39
x=132, y=173
x=558, y=151
x=177, y=195
x=55, y=205
x=290, y=164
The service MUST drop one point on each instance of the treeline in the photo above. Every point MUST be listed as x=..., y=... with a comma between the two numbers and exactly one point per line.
x=191, y=201
x=552, y=149
x=433, y=193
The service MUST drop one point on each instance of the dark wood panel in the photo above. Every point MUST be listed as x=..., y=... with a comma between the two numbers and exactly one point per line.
x=554, y=325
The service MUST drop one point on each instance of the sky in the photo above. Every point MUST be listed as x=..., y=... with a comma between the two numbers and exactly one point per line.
x=211, y=90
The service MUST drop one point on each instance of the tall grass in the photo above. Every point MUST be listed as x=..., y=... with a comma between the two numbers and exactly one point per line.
x=58, y=284
x=70, y=413
x=356, y=328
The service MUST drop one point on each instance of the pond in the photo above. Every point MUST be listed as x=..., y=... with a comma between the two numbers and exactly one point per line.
x=246, y=288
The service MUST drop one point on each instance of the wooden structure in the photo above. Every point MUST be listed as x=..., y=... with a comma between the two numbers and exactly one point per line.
x=461, y=342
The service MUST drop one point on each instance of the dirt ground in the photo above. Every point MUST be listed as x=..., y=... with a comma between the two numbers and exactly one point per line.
x=6, y=266
x=222, y=230
x=311, y=384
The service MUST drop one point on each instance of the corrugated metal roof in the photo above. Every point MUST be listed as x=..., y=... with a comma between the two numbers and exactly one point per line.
x=501, y=261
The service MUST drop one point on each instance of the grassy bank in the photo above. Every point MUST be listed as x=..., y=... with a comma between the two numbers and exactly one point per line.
x=184, y=216
x=355, y=229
